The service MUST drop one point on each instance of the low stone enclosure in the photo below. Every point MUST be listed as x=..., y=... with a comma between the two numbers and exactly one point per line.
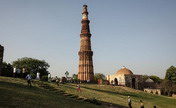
x=174, y=95
x=154, y=91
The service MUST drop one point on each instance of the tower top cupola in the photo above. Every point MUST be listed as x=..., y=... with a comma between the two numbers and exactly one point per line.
x=85, y=13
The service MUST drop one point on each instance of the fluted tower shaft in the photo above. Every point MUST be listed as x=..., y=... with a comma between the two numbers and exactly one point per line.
x=85, y=71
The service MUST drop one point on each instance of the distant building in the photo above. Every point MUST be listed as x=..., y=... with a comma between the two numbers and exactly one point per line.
x=150, y=87
x=1, y=57
x=149, y=83
x=125, y=77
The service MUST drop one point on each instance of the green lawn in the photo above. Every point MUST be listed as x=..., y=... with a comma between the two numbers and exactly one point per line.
x=15, y=94
x=118, y=95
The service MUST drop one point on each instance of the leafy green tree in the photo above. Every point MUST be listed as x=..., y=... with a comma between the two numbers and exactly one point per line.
x=66, y=74
x=145, y=77
x=170, y=81
x=75, y=77
x=171, y=74
x=32, y=65
x=98, y=76
x=7, y=69
x=155, y=78
x=44, y=78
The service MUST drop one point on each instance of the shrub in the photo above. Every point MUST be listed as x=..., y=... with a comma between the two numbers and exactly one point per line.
x=44, y=78
x=94, y=101
x=33, y=75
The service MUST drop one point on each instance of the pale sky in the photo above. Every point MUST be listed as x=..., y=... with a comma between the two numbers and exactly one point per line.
x=138, y=34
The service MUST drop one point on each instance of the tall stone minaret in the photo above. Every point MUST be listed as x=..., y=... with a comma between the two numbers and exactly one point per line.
x=86, y=71
x=1, y=57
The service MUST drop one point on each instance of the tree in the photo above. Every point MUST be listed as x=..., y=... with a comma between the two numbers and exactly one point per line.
x=32, y=65
x=170, y=81
x=7, y=69
x=171, y=74
x=75, y=77
x=66, y=74
x=44, y=78
x=155, y=78
x=145, y=77
x=98, y=76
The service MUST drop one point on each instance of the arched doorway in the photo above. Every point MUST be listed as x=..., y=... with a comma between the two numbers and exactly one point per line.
x=115, y=81
x=133, y=83
x=112, y=81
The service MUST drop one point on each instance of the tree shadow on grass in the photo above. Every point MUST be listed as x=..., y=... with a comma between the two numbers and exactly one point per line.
x=69, y=86
x=17, y=85
x=16, y=92
x=110, y=92
x=110, y=105
x=99, y=102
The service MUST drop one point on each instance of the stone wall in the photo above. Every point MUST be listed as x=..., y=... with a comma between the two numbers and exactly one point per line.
x=138, y=81
x=154, y=91
x=174, y=95
x=1, y=57
x=120, y=79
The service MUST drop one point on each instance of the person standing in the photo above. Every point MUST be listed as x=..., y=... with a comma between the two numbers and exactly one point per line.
x=18, y=73
x=129, y=102
x=78, y=88
x=14, y=72
x=141, y=104
x=28, y=77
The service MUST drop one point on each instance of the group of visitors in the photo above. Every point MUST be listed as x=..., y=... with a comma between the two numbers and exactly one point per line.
x=19, y=73
x=141, y=103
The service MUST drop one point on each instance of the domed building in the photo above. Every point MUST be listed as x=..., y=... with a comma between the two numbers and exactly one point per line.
x=125, y=77
x=149, y=83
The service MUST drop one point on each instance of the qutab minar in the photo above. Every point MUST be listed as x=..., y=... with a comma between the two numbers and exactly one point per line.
x=85, y=71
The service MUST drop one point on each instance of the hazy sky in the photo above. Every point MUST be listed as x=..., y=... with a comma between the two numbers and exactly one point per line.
x=138, y=34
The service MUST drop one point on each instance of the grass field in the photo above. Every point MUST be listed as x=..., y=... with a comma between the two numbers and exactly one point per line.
x=15, y=93
x=118, y=95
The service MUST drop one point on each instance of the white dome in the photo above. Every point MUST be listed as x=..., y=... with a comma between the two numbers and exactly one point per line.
x=149, y=80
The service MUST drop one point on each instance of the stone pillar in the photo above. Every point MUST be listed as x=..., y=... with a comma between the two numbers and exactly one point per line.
x=14, y=71
x=85, y=69
x=38, y=76
x=1, y=57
